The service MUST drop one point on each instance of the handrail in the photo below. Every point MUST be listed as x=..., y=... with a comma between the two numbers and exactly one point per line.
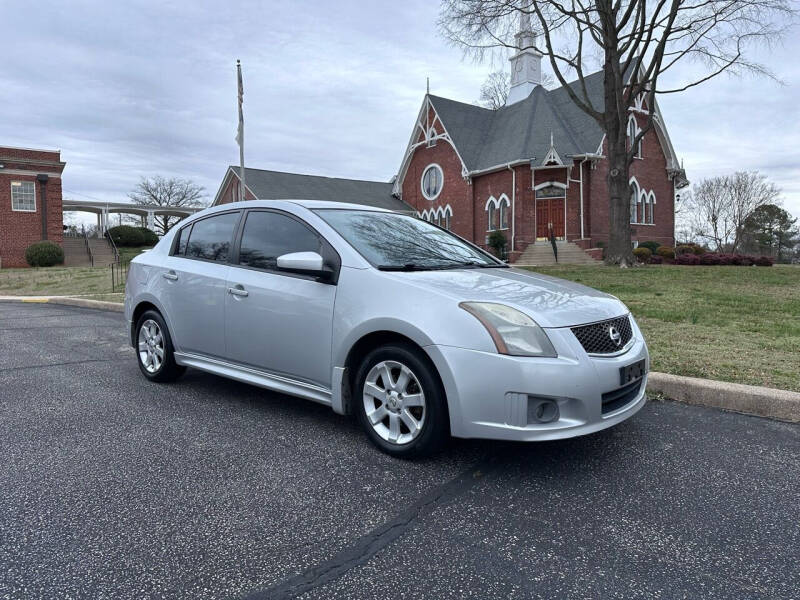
x=113, y=246
x=88, y=246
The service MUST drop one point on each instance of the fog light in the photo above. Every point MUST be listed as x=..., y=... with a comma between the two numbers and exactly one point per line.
x=542, y=410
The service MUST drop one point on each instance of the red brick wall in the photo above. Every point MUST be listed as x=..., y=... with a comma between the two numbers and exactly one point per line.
x=231, y=191
x=18, y=230
x=455, y=190
x=651, y=174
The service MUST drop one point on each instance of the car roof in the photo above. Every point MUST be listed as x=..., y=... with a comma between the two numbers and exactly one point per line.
x=309, y=204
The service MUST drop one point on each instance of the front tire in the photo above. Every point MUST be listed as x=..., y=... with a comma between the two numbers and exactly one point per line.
x=154, y=351
x=400, y=402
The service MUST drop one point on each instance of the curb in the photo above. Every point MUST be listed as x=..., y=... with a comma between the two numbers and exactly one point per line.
x=747, y=399
x=67, y=301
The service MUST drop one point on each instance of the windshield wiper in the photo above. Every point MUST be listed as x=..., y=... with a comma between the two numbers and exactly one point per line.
x=418, y=267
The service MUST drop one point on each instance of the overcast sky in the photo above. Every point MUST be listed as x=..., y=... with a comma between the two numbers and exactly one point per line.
x=131, y=89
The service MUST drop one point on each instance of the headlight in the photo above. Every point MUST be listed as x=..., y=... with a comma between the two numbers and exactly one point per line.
x=514, y=333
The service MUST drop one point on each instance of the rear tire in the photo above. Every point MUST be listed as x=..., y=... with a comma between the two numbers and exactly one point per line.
x=400, y=402
x=154, y=352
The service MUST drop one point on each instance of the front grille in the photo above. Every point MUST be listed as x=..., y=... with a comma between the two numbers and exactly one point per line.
x=596, y=338
x=621, y=396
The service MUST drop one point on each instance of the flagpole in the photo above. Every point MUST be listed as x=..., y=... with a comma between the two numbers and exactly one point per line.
x=240, y=135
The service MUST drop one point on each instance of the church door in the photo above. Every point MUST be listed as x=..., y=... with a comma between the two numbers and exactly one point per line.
x=549, y=212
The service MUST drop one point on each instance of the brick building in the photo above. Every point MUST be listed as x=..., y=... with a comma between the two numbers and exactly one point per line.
x=533, y=166
x=30, y=201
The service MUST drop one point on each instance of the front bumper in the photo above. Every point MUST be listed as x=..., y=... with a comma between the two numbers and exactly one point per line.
x=488, y=394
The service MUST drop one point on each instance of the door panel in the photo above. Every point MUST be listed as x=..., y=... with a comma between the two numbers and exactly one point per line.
x=542, y=218
x=193, y=284
x=557, y=216
x=283, y=325
x=278, y=321
x=193, y=294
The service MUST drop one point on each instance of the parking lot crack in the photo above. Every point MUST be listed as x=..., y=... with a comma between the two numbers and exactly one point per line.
x=373, y=542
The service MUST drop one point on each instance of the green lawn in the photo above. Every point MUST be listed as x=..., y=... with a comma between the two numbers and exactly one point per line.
x=55, y=281
x=739, y=324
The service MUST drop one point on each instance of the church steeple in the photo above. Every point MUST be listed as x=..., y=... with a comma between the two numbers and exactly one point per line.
x=526, y=64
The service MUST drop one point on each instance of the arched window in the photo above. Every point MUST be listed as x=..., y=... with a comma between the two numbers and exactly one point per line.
x=447, y=213
x=642, y=207
x=651, y=201
x=633, y=131
x=432, y=181
x=503, y=210
x=634, y=200
x=492, y=211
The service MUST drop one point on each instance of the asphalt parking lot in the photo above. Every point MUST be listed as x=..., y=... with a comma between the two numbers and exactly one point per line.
x=113, y=487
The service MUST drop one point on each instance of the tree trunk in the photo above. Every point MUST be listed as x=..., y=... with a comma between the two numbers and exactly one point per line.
x=619, y=250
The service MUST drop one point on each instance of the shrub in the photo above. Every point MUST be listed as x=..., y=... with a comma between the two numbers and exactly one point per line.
x=125, y=235
x=654, y=246
x=44, y=254
x=725, y=259
x=656, y=259
x=642, y=254
x=687, y=259
x=709, y=259
x=684, y=249
x=497, y=241
x=666, y=252
x=764, y=261
x=745, y=261
x=699, y=249
x=150, y=237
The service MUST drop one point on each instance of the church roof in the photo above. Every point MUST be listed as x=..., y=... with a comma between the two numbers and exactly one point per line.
x=277, y=185
x=487, y=138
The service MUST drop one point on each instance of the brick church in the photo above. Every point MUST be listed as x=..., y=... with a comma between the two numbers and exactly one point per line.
x=533, y=166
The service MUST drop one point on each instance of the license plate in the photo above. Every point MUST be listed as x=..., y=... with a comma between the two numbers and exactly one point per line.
x=630, y=373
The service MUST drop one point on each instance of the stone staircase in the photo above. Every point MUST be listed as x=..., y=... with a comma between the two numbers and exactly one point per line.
x=540, y=254
x=75, y=254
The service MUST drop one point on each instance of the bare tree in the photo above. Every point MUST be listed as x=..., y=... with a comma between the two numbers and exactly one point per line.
x=494, y=91
x=719, y=208
x=166, y=193
x=637, y=43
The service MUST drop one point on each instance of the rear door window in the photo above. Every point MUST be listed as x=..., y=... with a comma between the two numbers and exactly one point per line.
x=211, y=238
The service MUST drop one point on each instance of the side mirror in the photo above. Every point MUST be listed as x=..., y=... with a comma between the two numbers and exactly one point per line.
x=306, y=263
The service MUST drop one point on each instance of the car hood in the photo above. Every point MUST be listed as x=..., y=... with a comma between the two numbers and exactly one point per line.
x=550, y=301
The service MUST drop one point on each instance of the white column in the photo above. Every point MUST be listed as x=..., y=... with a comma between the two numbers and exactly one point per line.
x=150, y=220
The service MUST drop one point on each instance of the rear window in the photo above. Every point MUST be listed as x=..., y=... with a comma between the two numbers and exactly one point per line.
x=211, y=238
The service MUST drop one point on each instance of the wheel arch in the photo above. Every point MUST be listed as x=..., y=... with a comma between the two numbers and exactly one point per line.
x=363, y=346
x=142, y=305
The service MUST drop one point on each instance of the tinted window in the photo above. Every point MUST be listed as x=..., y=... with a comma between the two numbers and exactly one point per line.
x=211, y=238
x=391, y=240
x=268, y=235
x=183, y=239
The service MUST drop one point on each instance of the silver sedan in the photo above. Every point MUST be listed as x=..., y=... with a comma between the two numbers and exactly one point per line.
x=415, y=331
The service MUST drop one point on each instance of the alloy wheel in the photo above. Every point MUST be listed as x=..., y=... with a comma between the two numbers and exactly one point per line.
x=151, y=346
x=394, y=402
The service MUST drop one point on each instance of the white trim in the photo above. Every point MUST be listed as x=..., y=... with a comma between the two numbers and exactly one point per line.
x=422, y=117
x=422, y=181
x=493, y=201
x=552, y=156
x=439, y=213
x=25, y=210
x=545, y=184
x=33, y=173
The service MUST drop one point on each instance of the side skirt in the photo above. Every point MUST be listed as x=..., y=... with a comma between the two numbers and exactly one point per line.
x=263, y=379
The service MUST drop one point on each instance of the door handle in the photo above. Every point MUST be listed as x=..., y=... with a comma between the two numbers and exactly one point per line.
x=172, y=275
x=237, y=291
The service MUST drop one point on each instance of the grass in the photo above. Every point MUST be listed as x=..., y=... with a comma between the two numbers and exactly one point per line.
x=64, y=281
x=739, y=324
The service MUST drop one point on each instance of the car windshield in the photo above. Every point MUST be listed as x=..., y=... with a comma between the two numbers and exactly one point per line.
x=396, y=242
